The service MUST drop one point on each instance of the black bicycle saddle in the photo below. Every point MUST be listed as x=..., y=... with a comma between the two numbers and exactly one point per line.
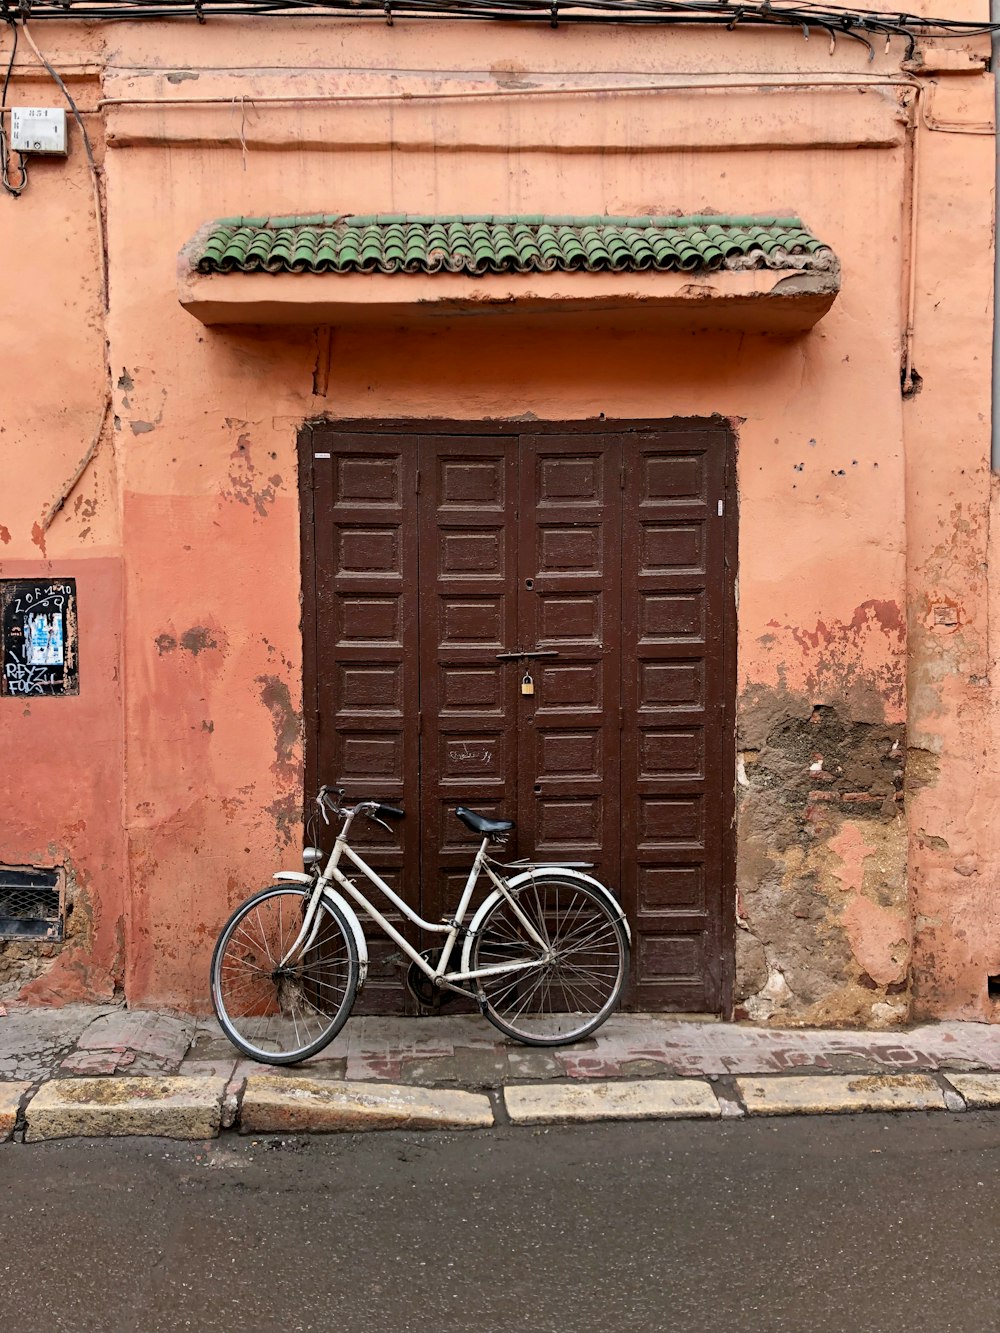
x=486, y=828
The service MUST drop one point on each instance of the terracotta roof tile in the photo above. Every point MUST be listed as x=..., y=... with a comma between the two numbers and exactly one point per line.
x=392, y=243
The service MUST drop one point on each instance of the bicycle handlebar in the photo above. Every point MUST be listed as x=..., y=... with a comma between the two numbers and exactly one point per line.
x=374, y=810
x=389, y=811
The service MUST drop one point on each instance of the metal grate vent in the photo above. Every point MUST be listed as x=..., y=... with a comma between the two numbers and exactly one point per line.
x=31, y=904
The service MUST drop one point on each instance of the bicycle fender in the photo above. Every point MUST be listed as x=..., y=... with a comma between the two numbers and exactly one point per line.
x=540, y=874
x=350, y=916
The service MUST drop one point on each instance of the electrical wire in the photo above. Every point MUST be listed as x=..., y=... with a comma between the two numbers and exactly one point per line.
x=22, y=167
x=859, y=24
x=102, y=235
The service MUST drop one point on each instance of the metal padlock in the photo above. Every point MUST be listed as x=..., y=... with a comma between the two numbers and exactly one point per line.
x=527, y=685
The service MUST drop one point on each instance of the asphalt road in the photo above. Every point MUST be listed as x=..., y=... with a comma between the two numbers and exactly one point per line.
x=812, y=1225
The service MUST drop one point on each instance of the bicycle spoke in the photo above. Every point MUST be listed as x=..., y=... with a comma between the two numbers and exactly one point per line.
x=256, y=945
x=250, y=987
x=263, y=939
x=540, y=919
x=248, y=981
x=585, y=933
x=581, y=986
x=532, y=990
x=513, y=983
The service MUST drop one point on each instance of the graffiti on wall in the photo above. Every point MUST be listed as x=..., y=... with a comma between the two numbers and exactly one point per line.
x=38, y=637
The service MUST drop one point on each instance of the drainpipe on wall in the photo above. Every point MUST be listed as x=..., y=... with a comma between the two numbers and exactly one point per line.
x=995, y=413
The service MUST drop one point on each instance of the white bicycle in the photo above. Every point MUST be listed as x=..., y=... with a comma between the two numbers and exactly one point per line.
x=545, y=956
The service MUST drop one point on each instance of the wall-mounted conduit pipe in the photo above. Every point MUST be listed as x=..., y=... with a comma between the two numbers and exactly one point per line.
x=995, y=388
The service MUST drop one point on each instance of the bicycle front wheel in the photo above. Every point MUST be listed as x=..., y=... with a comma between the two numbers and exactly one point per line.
x=278, y=1011
x=574, y=983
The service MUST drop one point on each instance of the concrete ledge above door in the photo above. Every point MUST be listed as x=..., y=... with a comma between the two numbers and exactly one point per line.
x=786, y=301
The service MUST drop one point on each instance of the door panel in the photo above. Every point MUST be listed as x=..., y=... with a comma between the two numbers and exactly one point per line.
x=468, y=614
x=366, y=655
x=569, y=592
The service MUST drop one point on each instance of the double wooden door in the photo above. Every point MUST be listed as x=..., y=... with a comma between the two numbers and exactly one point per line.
x=532, y=624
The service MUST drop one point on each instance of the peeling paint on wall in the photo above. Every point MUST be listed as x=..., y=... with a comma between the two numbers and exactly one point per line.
x=857, y=659
x=246, y=485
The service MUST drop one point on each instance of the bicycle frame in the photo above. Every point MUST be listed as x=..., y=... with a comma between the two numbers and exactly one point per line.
x=452, y=929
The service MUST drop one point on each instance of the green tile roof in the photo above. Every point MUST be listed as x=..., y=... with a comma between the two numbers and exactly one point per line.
x=398, y=243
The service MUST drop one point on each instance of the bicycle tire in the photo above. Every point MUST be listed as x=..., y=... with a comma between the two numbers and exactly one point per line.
x=281, y=1017
x=569, y=997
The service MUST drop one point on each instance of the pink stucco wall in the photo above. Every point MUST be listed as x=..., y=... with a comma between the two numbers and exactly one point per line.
x=863, y=516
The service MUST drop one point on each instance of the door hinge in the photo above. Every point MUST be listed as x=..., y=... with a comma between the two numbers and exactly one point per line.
x=621, y=476
x=722, y=508
x=416, y=482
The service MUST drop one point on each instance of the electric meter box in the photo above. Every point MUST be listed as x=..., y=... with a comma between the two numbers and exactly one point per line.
x=38, y=129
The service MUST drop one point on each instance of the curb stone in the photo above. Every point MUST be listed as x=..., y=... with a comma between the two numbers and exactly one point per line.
x=10, y=1104
x=172, y=1108
x=832, y=1094
x=977, y=1090
x=197, y=1108
x=648, y=1099
x=281, y=1105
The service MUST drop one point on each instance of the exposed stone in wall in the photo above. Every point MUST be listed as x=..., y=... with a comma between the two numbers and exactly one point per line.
x=823, y=931
x=40, y=971
x=21, y=961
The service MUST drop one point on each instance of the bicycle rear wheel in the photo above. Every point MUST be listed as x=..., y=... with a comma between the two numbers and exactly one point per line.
x=577, y=978
x=283, y=1014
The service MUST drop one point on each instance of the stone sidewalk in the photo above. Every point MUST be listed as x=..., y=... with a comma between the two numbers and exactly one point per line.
x=107, y=1070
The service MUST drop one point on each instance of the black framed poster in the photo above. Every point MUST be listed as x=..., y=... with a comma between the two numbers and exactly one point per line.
x=38, y=637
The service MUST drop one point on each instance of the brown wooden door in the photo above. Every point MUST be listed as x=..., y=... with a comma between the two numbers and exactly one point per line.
x=437, y=555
